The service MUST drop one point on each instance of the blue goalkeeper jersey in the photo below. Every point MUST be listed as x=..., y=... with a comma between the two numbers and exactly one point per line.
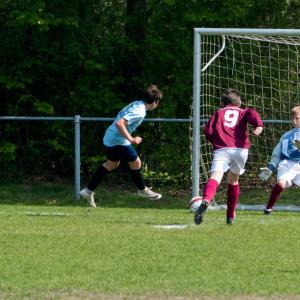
x=134, y=113
x=286, y=149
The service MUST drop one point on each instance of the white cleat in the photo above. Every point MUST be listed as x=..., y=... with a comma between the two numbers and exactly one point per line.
x=149, y=194
x=89, y=197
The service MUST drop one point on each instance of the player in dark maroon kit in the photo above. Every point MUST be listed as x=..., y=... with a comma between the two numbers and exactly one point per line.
x=227, y=130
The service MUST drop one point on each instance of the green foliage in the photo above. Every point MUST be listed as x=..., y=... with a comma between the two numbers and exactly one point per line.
x=60, y=58
x=7, y=152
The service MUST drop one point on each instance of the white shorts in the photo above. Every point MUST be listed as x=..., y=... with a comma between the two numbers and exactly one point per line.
x=232, y=159
x=290, y=171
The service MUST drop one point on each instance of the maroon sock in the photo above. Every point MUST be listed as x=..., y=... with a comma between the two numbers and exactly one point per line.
x=210, y=190
x=233, y=193
x=277, y=189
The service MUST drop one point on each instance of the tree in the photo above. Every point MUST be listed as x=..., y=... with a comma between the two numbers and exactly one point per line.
x=134, y=46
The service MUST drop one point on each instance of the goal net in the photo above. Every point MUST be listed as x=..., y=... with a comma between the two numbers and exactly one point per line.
x=264, y=67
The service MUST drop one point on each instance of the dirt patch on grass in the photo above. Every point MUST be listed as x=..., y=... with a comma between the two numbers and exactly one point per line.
x=86, y=295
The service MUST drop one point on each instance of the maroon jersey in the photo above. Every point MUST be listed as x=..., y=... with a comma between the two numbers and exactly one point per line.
x=228, y=127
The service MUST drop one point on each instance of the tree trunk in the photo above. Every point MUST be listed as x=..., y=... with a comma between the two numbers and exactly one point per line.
x=135, y=36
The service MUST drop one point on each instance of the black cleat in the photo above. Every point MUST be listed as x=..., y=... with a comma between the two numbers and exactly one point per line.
x=267, y=211
x=198, y=218
x=230, y=221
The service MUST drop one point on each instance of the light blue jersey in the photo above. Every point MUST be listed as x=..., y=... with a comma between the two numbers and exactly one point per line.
x=286, y=149
x=134, y=114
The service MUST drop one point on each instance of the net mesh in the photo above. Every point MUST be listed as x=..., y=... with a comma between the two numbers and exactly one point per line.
x=265, y=69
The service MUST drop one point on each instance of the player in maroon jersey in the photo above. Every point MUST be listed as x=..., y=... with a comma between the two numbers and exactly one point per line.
x=227, y=130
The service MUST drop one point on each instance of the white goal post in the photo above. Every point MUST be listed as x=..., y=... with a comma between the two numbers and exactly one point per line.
x=264, y=65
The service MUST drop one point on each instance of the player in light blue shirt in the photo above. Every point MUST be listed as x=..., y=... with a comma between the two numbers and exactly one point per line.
x=118, y=143
x=134, y=113
x=285, y=160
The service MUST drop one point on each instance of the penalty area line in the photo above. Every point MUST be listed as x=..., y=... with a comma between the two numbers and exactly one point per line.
x=171, y=226
x=47, y=214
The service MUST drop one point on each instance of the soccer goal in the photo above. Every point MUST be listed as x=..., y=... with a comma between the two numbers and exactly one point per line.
x=263, y=64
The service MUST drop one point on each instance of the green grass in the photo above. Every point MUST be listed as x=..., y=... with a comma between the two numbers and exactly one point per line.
x=52, y=247
x=261, y=195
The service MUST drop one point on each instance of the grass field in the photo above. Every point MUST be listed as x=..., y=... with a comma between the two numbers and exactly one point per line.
x=54, y=248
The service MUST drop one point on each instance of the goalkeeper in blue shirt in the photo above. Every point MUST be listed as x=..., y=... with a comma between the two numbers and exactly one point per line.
x=285, y=160
x=118, y=143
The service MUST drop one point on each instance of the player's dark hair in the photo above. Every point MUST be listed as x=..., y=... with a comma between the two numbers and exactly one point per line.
x=231, y=96
x=152, y=94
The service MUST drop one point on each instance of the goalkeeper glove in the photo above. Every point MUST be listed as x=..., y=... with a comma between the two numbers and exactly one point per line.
x=264, y=174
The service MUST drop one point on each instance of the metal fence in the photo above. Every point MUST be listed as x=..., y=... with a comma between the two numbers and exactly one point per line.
x=77, y=119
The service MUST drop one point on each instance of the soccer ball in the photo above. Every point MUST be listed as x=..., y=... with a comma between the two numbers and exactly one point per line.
x=195, y=203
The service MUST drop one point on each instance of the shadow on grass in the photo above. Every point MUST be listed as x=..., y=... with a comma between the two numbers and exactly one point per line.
x=122, y=195
x=50, y=194
x=58, y=194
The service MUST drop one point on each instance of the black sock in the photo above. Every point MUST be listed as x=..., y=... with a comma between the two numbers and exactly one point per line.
x=137, y=178
x=97, y=178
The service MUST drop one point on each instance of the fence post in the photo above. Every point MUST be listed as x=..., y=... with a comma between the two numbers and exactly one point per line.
x=77, y=155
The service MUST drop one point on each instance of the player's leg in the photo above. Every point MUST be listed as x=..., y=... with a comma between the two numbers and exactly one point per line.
x=275, y=194
x=233, y=193
x=209, y=193
x=210, y=188
x=286, y=173
x=220, y=165
x=101, y=172
x=112, y=163
x=135, y=172
x=135, y=164
x=237, y=164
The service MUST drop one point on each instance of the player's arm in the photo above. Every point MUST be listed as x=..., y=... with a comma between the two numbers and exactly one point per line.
x=258, y=130
x=255, y=120
x=275, y=158
x=266, y=172
x=122, y=126
x=209, y=130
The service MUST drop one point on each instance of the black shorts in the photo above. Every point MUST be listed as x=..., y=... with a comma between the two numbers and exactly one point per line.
x=124, y=153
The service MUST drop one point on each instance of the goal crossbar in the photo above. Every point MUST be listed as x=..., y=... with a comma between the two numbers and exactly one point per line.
x=247, y=31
